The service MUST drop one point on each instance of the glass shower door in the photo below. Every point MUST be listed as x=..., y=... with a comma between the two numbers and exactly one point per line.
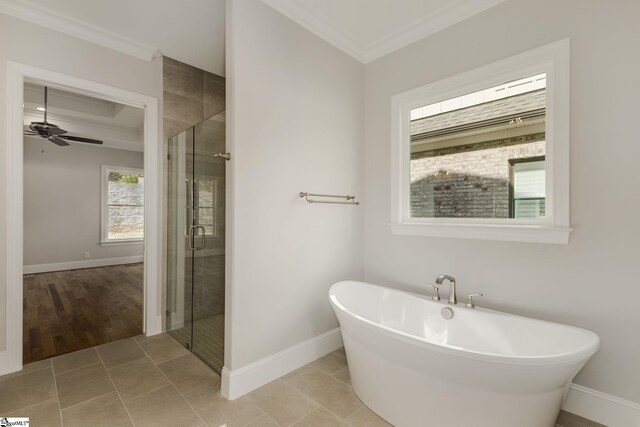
x=196, y=239
x=208, y=267
x=179, y=314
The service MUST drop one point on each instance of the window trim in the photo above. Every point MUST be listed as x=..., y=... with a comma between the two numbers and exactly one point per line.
x=104, y=235
x=552, y=59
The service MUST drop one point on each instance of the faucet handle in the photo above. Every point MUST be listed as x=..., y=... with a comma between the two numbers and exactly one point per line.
x=470, y=303
x=436, y=292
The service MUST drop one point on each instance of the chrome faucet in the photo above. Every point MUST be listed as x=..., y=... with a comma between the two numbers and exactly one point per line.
x=453, y=299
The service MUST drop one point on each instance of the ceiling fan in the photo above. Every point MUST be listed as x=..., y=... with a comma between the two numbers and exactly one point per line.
x=52, y=132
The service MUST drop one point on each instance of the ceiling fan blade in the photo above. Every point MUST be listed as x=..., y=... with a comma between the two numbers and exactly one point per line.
x=58, y=141
x=81, y=139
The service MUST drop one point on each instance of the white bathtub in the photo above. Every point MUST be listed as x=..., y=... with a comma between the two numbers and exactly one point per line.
x=480, y=368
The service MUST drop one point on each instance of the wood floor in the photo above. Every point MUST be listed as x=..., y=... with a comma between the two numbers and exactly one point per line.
x=65, y=311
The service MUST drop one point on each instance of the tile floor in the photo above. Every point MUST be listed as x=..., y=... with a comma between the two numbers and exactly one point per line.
x=155, y=381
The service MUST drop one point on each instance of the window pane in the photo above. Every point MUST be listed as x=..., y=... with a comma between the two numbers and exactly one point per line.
x=126, y=222
x=529, y=208
x=207, y=193
x=462, y=150
x=529, y=180
x=125, y=205
x=207, y=220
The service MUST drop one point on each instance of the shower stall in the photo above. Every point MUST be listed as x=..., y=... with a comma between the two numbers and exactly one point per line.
x=196, y=239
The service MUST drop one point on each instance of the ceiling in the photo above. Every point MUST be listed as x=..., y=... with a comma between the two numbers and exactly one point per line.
x=193, y=31
x=190, y=31
x=118, y=126
x=369, y=29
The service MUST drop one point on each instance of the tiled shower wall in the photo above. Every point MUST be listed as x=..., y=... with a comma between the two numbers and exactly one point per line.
x=190, y=96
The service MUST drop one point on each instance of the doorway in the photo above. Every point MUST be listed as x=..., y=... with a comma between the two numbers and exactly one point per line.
x=18, y=74
x=196, y=239
x=83, y=221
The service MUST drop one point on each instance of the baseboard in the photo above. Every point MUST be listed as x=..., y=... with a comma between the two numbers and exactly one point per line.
x=601, y=407
x=86, y=263
x=241, y=381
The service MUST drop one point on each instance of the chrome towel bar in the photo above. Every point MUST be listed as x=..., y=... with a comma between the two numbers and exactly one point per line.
x=351, y=200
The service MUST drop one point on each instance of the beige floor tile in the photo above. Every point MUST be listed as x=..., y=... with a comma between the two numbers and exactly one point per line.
x=567, y=419
x=331, y=393
x=26, y=390
x=341, y=352
x=137, y=378
x=330, y=364
x=321, y=418
x=263, y=421
x=120, y=352
x=28, y=368
x=343, y=375
x=162, y=407
x=140, y=338
x=215, y=410
x=292, y=374
x=189, y=372
x=162, y=348
x=83, y=384
x=103, y=411
x=365, y=417
x=45, y=414
x=282, y=402
x=75, y=360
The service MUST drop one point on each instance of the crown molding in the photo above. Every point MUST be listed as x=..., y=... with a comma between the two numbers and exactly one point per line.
x=450, y=14
x=320, y=27
x=56, y=21
x=441, y=18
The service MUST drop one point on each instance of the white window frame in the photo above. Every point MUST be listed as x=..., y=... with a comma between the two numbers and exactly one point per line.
x=552, y=59
x=104, y=217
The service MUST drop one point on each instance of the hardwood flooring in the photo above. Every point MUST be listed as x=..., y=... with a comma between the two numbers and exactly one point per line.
x=65, y=311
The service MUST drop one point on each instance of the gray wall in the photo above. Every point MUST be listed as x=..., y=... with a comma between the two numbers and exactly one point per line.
x=62, y=201
x=594, y=281
x=295, y=124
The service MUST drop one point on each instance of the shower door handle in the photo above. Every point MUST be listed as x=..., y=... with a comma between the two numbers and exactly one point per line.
x=192, y=238
x=226, y=156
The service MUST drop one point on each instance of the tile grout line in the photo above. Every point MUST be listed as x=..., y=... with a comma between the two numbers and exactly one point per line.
x=75, y=369
x=55, y=385
x=320, y=404
x=115, y=388
x=297, y=419
x=171, y=383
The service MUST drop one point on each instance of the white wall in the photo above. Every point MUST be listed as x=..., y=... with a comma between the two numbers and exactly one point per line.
x=62, y=201
x=33, y=45
x=594, y=282
x=295, y=124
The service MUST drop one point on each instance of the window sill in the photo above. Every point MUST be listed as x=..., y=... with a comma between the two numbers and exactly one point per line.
x=122, y=242
x=507, y=233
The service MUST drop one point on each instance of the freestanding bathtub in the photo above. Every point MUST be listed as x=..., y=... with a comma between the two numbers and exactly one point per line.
x=480, y=368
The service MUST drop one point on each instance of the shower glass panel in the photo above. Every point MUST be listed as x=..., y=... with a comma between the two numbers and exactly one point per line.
x=196, y=239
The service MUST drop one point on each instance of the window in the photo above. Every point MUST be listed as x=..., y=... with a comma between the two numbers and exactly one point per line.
x=122, y=205
x=484, y=154
x=527, y=188
x=205, y=192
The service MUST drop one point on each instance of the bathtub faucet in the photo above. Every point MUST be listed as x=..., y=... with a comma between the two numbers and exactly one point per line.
x=453, y=299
